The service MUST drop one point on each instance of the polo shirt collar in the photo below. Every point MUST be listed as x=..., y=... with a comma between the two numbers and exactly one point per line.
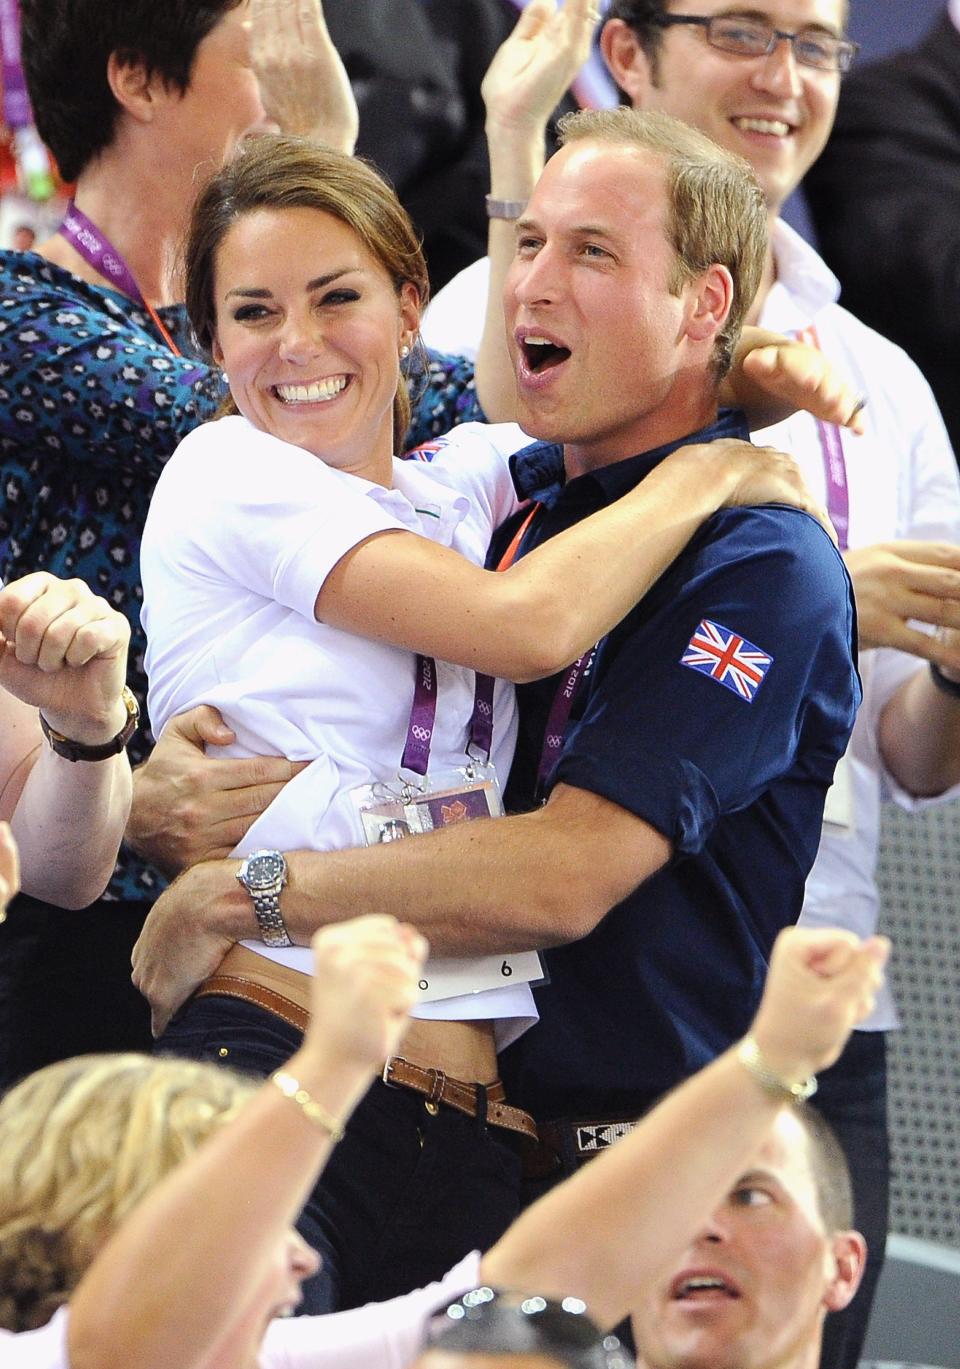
x=538, y=471
x=803, y=277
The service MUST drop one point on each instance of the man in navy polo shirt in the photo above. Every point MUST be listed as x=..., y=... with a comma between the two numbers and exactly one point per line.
x=699, y=738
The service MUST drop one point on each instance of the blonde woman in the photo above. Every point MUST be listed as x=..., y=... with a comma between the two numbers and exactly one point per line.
x=202, y=1266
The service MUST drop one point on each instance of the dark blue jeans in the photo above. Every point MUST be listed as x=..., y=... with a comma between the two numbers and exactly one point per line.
x=406, y=1194
x=852, y=1095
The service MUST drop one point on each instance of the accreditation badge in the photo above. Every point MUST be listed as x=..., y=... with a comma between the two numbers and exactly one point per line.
x=390, y=811
x=407, y=807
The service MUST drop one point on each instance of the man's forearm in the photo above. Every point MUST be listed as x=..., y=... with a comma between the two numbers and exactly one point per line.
x=919, y=736
x=509, y=884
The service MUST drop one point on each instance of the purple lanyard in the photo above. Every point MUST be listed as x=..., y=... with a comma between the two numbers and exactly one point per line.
x=559, y=716
x=834, y=463
x=97, y=251
x=423, y=716
x=16, y=102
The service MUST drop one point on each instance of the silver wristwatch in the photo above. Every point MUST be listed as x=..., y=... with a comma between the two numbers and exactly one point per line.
x=263, y=874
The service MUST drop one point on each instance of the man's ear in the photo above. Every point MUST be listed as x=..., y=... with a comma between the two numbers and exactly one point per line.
x=628, y=64
x=849, y=1251
x=710, y=298
x=134, y=90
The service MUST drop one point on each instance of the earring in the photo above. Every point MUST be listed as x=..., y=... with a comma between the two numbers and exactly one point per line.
x=404, y=352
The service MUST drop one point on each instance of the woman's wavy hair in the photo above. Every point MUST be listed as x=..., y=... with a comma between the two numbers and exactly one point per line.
x=82, y=1142
x=278, y=172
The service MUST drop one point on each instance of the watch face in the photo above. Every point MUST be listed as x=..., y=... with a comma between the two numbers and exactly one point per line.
x=265, y=870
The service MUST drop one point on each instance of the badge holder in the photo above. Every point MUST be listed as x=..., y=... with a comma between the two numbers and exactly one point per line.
x=420, y=800
x=414, y=804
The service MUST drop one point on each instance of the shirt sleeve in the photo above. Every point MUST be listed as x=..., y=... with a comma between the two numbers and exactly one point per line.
x=737, y=669
x=384, y=1335
x=90, y=386
x=240, y=506
x=442, y=395
x=929, y=503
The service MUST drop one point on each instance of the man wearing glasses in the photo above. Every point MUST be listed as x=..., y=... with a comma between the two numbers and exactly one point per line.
x=762, y=79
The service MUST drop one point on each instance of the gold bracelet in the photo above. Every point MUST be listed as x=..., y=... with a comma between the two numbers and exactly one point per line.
x=751, y=1057
x=290, y=1088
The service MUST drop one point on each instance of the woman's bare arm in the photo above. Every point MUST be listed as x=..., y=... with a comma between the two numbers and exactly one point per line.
x=63, y=652
x=556, y=602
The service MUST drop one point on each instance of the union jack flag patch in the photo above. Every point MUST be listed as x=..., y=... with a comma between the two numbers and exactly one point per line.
x=728, y=658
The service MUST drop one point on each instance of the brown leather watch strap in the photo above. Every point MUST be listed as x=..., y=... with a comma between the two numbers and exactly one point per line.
x=72, y=750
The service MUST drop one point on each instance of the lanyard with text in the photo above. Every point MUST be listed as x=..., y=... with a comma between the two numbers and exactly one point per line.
x=562, y=705
x=834, y=462
x=97, y=251
x=423, y=715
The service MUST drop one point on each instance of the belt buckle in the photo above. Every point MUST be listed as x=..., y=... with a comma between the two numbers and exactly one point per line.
x=386, y=1071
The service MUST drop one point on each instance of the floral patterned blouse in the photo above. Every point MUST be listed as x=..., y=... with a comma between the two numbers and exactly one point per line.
x=92, y=403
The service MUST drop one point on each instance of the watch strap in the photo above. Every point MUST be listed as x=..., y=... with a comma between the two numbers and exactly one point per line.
x=81, y=751
x=273, y=929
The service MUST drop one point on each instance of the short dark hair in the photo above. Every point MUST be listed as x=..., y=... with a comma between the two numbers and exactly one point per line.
x=487, y=1322
x=831, y=1172
x=67, y=45
x=642, y=16
x=277, y=172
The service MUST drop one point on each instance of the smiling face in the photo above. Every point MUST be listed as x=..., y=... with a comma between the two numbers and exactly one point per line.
x=753, y=1289
x=598, y=341
x=309, y=329
x=771, y=110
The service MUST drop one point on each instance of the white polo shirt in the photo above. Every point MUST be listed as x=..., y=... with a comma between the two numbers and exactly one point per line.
x=242, y=532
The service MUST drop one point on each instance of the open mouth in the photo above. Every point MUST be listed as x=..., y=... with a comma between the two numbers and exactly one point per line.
x=314, y=392
x=541, y=354
x=703, y=1288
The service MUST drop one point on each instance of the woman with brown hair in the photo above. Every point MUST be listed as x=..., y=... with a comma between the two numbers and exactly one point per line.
x=328, y=600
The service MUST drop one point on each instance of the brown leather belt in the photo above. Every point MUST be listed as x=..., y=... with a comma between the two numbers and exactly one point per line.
x=238, y=986
x=436, y=1086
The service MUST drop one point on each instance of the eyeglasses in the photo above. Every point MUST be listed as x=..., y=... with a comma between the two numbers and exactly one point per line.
x=754, y=38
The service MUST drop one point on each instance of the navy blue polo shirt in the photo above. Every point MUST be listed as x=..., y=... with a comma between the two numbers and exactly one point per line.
x=716, y=711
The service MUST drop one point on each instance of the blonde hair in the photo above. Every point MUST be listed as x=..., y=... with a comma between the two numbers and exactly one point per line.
x=717, y=214
x=81, y=1142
